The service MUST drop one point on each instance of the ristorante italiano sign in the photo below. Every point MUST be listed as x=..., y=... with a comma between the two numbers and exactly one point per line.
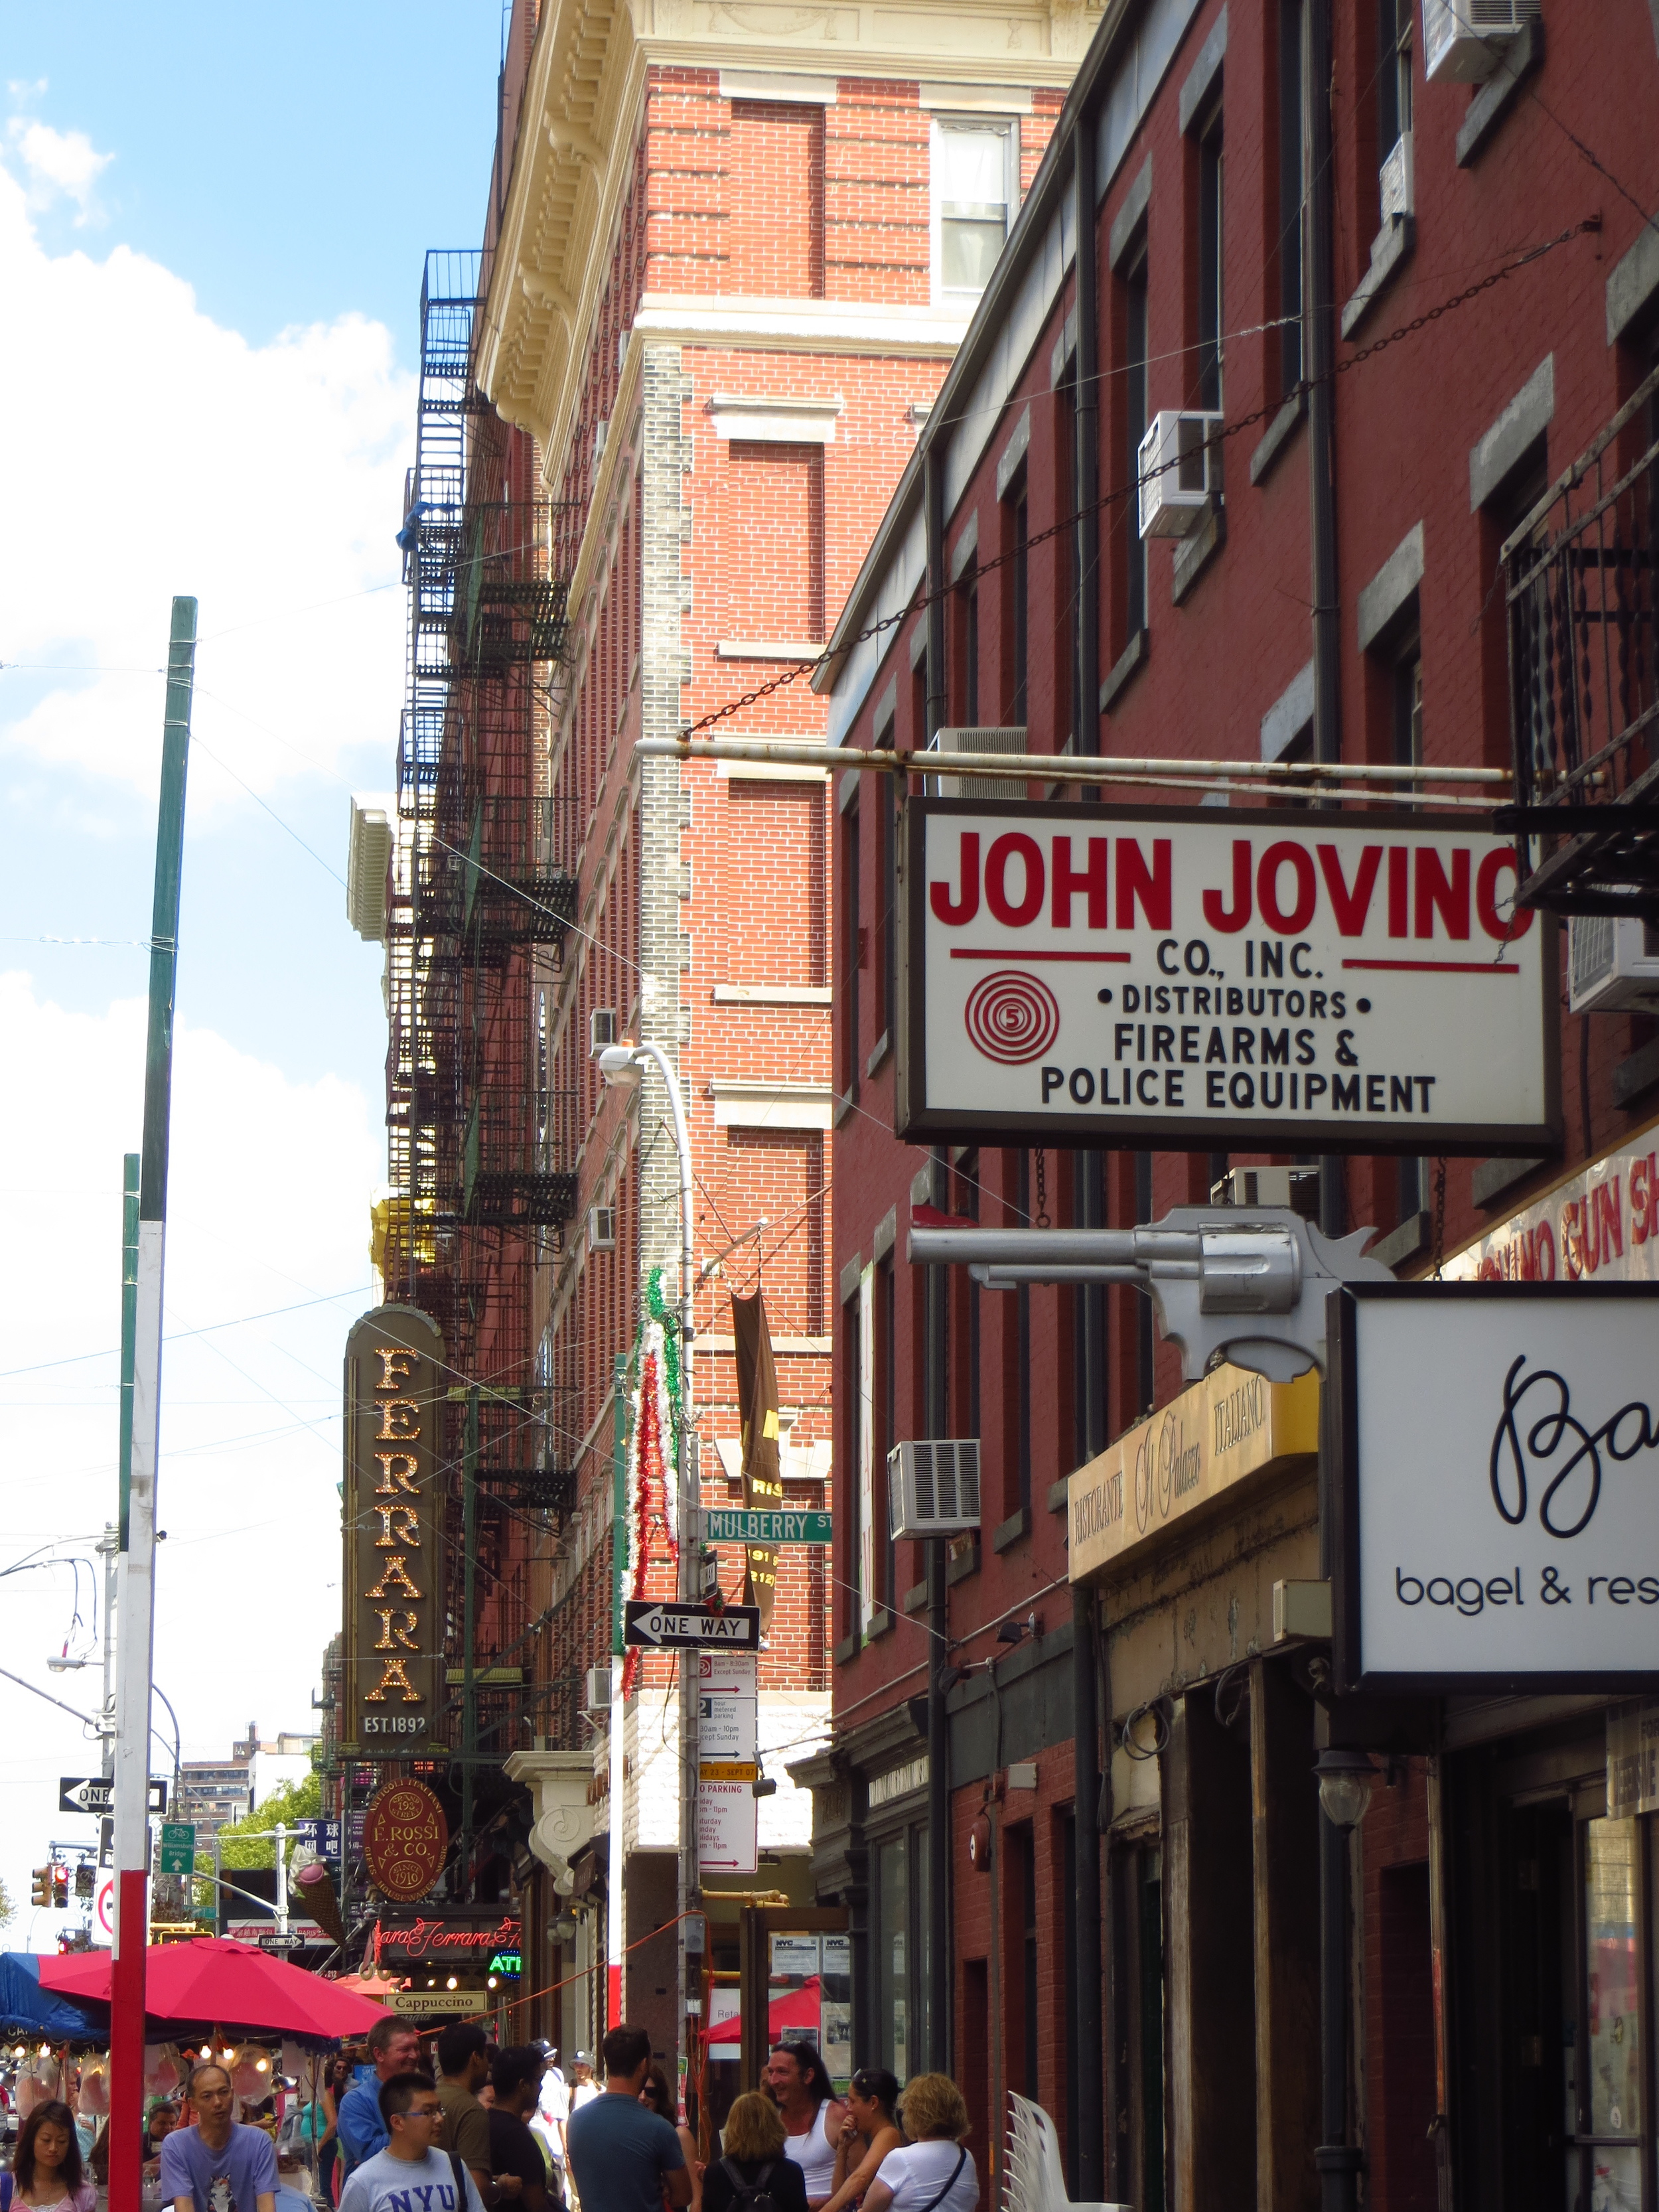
x=1205, y=978
x=393, y=1519
x=1167, y=1469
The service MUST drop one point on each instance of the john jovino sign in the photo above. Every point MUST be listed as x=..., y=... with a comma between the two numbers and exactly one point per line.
x=1499, y=1495
x=1202, y=978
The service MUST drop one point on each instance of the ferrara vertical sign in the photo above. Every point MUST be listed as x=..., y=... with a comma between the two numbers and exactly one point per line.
x=1243, y=979
x=394, y=1499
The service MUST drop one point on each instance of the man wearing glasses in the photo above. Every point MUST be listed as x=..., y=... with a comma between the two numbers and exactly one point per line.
x=410, y=2170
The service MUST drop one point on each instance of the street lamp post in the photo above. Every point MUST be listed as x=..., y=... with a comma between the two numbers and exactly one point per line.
x=622, y=1065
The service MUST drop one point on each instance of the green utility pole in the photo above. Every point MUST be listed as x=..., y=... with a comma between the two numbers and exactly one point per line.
x=129, y=1331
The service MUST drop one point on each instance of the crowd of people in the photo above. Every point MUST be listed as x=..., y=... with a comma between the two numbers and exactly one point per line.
x=482, y=2127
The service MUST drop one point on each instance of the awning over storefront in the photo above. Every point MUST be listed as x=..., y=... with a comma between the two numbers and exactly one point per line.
x=1231, y=1428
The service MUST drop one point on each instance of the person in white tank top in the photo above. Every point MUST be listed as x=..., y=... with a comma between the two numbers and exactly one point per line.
x=798, y=2081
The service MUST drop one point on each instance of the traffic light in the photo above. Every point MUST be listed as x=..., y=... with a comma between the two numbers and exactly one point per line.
x=60, y=1887
x=85, y=1879
x=41, y=1893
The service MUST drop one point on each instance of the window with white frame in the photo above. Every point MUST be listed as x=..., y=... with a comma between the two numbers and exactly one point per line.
x=976, y=192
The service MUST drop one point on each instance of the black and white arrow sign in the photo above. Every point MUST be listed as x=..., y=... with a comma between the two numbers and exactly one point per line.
x=664, y=1626
x=78, y=1793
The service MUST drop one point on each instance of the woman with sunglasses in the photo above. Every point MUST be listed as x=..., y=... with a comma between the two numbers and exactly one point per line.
x=867, y=2134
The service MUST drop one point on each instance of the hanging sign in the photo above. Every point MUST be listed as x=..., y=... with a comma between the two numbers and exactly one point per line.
x=1198, y=979
x=405, y=1838
x=1497, y=1500
x=477, y=1937
x=1599, y=1225
x=395, y=1696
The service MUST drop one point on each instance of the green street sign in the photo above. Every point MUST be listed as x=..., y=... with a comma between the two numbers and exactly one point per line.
x=722, y=1525
x=178, y=1847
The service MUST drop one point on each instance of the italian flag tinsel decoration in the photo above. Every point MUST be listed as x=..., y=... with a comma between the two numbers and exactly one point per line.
x=653, y=1451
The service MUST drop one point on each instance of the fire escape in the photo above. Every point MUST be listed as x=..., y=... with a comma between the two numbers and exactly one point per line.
x=482, y=894
x=1582, y=585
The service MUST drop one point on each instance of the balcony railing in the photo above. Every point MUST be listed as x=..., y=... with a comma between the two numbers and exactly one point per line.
x=517, y=1160
x=1582, y=583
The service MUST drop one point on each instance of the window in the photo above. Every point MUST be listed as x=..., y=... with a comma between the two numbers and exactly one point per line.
x=852, y=940
x=1020, y=585
x=1210, y=325
x=1394, y=106
x=936, y=1341
x=1408, y=703
x=1290, y=191
x=1134, y=429
x=887, y=1400
x=975, y=192
x=775, y=493
x=891, y=788
x=1147, y=1346
x=967, y=602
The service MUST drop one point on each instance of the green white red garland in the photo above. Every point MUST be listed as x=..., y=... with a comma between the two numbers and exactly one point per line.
x=651, y=1487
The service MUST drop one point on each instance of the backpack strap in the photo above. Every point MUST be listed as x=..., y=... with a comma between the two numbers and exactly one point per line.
x=459, y=2172
x=934, y=2202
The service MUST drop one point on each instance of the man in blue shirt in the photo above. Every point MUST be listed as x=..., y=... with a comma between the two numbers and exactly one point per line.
x=217, y=2163
x=394, y=2047
x=625, y=2157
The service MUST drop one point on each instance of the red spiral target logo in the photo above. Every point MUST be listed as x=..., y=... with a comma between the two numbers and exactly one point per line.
x=1011, y=1017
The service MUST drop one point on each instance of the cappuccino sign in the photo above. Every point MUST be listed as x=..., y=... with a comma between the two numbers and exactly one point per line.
x=1199, y=978
x=1498, y=1507
x=1162, y=1473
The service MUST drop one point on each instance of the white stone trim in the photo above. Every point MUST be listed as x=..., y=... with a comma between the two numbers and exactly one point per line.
x=773, y=994
x=834, y=327
x=741, y=1103
x=765, y=649
x=777, y=84
x=781, y=420
x=978, y=99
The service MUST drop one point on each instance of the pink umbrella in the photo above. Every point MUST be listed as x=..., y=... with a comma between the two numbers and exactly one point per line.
x=213, y=1979
x=795, y=2008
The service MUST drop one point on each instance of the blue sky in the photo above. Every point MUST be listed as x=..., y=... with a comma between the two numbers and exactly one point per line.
x=211, y=230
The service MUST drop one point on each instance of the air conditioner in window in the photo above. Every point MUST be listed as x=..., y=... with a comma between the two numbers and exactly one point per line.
x=1395, y=179
x=1178, y=469
x=933, y=1487
x=601, y=1029
x=1011, y=739
x=1612, y=964
x=1463, y=40
x=596, y=1697
x=601, y=1228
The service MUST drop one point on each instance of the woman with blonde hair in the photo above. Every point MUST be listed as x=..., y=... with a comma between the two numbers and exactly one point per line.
x=755, y=2175
x=933, y=2172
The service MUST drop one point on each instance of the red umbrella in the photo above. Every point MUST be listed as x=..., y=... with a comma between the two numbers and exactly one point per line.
x=212, y=1979
x=796, y=2008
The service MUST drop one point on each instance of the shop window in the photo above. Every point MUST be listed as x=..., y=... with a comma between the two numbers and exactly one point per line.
x=967, y=614
x=1134, y=429
x=976, y=171
x=1017, y=628
x=888, y=797
x=898, y=1949
x=886, y=1402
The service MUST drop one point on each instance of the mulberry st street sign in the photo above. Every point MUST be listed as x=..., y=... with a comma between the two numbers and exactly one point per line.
x=1205, y=978
x=1498, y=1498
x=751, y=1525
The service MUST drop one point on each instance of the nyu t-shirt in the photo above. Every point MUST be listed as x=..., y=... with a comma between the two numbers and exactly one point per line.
x=917, y=2172
x=385, y=2184
x=619, y=2153
x=227, y=2180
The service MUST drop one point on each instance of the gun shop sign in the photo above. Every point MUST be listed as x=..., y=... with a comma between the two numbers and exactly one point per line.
x=393, y=1528
x=1208, y=978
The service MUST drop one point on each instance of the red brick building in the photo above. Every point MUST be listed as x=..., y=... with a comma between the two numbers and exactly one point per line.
x=1239, y=204
x=729, y=255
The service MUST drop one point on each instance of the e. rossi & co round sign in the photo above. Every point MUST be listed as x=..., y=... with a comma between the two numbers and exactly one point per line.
x=406, y=1836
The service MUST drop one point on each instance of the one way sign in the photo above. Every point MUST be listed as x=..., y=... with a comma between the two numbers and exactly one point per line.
x=79, y=1793
x=670, y=1627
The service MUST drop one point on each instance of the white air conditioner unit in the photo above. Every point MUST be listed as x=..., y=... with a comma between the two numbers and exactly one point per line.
x=601, y=1228
x=1463, y=40
x=1011, y=739
x=1612, y=964
x=601, y=1029
x=933, y=1487
x=1178, y=469
x=1271, y=1186
x=596, y=1698
x=1395, y=179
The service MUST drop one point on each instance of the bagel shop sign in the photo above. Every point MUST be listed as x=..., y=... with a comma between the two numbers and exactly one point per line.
x=1495, y=1486
x=1204, y=978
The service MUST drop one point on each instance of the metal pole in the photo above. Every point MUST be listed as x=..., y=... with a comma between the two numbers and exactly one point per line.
x=469, y=1606
x=281, y=1835
x=939, y=1812
x=1321, y=344
x=136, y=1588
x=110, y=1547
x=1089, y=2182
x=1335, y=2159
x=614, y=1919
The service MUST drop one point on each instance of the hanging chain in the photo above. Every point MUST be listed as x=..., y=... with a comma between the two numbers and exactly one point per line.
x=1439, y=1213
x=1042, y=1190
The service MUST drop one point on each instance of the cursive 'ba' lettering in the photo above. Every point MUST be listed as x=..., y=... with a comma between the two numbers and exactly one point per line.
x=1539, y=1436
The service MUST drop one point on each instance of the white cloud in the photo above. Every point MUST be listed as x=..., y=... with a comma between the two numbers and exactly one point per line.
x=268, y=1207
x=57, y=162
x=164, y=454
